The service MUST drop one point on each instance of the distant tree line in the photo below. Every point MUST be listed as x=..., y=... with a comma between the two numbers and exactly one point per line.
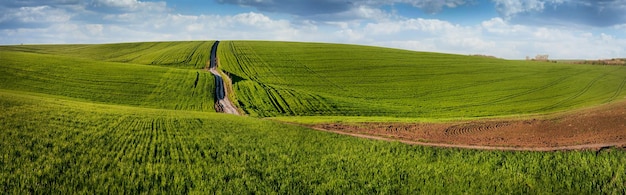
x=613, y=61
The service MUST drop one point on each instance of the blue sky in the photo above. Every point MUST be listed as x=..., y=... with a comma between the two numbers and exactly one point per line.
x=513, y=29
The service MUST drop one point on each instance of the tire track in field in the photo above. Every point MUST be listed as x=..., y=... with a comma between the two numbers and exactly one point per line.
x=189, y=58
x=275, y=99
x=617, y=92
x=243, y=59
x=580, y=93
x=469, y=85
x=511, y=96
x=472, y=128
x=135, y=51
x=322, y=77
x=245, y=70
x=163, y=58
x=508, y=97
x=222, y=103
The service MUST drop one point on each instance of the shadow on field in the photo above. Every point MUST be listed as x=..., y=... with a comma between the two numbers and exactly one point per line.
x=233, y=77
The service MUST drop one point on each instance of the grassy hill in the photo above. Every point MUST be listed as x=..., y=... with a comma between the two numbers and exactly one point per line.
x=189, y=54
x=315, y=79
x=73, y=120
x=55, y=69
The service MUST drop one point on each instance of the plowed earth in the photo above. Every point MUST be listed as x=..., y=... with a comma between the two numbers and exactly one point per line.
x=592, y=128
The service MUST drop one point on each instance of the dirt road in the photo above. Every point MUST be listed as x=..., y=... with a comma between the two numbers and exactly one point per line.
x=222, y=104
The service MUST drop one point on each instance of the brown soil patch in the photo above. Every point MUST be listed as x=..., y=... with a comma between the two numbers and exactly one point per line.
x=592, y=128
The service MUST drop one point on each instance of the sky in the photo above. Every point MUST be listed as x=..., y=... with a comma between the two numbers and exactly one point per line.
x=511, y=29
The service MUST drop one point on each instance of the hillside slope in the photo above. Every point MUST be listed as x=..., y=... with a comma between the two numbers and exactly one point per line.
x=183, y=54
x=315, y=79
x=55, y=69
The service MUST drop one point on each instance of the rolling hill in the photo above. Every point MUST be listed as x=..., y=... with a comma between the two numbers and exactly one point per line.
x=316, y=79
x=139, y=118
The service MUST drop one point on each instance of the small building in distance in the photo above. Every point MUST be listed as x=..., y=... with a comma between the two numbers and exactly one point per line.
x=539, y=58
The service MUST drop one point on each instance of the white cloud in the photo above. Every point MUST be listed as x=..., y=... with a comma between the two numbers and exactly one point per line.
x=558, y=42
x=497, y=36
x=368, y=12
x=338, y=9
x=432, y=34
x=509, y=8
x=37, y=14
x=94, y=29
x=570, y=13
x=432, y=26
x=131, y=5
x=132, y=27
x=432, y=5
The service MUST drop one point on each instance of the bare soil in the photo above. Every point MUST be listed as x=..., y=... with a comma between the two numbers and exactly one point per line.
x=591, y=128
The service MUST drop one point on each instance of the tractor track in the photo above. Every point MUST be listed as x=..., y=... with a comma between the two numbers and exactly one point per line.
x=617, y=92
x=473, y=128
x=580, y=93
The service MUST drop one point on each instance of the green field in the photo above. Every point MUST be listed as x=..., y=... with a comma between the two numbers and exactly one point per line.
x=314, y=79
x=52, y=145
x=51, y=70
x=139, y=118
x=190, y=54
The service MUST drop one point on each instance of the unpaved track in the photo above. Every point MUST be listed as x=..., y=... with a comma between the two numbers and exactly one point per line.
x=222, y=104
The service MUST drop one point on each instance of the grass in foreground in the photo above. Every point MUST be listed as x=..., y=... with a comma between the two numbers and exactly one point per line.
x=53, y=145
x=313, y=79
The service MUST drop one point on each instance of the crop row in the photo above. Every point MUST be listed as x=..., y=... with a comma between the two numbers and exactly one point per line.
x=117, y=83
x=368, y=81
x=190, y=54
x=48, y=146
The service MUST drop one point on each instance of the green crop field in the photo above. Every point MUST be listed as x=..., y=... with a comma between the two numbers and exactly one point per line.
x=139, y=118
x=314, y=79
x=102, y=81
x=52, y=145
x=192, y=54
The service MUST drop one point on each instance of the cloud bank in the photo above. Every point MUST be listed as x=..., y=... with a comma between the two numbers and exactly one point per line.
x=520, y=28
x=597, y=13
